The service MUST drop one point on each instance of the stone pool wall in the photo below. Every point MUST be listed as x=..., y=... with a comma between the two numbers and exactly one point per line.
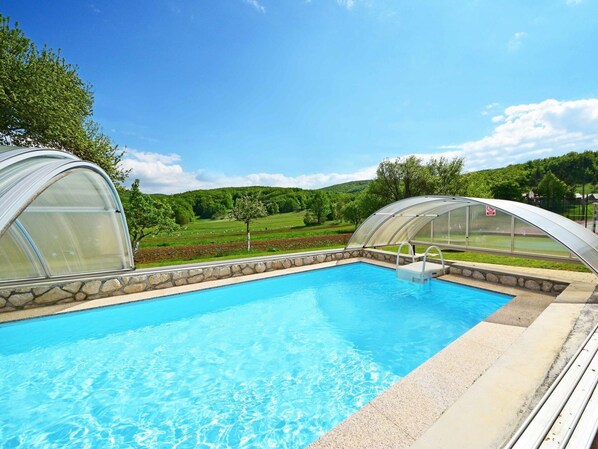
x=45, y=293
x=510, y=279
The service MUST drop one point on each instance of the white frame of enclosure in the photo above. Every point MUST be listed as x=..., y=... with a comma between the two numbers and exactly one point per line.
x=23, y=192
x=412, y=214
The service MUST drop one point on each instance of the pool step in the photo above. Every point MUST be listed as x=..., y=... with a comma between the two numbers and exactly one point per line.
x=421, y=271
x=418, y=272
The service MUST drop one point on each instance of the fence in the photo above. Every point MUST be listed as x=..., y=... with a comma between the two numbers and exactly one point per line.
x=577, y=210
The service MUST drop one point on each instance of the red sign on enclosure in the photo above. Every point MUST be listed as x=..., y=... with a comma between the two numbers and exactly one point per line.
x=490, y=211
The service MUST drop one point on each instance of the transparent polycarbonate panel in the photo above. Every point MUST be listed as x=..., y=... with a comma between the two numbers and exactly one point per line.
x=76, y=242
x=366, y=233
x=489, y=228
x=457, y=226
x=387, y=232
x=17, y=260
x=20, y=170
x=582, y=242
x=424, y=234
x=75, y=226
x=440, y=229
x=83, y=189
x=529, y=239
x=361, y=234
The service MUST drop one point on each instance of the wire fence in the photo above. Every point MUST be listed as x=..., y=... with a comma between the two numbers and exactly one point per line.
x=579, y=211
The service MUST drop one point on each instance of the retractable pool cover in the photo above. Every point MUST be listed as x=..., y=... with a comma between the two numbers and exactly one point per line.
x=478, y=224
x=59, y=216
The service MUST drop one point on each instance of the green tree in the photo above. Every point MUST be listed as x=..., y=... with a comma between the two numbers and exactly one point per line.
x=507, y=189
x=404, y=178
x=552, y=190
x=319, y=206
x=446, y=175
x=146, y=216
x=352, y=213
x=246, y=210
x=183, y=212
x=43, y=102
x=388, y=181
x=417, y=178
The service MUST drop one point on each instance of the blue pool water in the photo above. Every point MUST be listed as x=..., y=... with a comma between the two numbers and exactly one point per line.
x=266, y=364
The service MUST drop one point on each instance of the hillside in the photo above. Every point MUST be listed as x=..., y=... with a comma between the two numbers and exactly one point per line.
x=348, y=187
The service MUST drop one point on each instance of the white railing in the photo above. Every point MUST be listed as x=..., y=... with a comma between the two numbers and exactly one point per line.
x=411, y=253
x=426, y=255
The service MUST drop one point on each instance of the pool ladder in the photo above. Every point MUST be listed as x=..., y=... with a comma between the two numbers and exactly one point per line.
x=421, y=271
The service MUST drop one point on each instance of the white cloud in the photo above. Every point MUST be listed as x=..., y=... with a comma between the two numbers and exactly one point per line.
x=346, y=3
x=516, y=41
x=255, y=5
x=522, y=132
x=488, y=108
x=573, y=2
x=528, y=131
x=159, y=173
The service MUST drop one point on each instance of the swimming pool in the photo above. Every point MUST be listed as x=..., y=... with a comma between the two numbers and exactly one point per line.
x=270, y=363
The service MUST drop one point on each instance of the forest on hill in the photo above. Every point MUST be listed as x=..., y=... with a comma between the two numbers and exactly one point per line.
x=557, y=178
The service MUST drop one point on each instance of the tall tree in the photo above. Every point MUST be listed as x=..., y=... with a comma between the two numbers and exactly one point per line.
x=552, y=190
x=388, y=181
x=246, y=210
x=146, y=216
x=404, y=178
x=446, y=174
x=319, y=206
x=43, y=102
x=417, y=178
x=352, y=213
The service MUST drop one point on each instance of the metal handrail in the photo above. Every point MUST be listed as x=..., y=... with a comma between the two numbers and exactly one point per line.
x=411, y=253
x=426, y=255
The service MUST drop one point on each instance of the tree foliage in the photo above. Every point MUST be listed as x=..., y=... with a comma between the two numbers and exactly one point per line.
x=43, y=102
x=553, y=190
x=318, y=208
x=352, y=213
x=407, y=177
x=146, y=216
x=246, y=210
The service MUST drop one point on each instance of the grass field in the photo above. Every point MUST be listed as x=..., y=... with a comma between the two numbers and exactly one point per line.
x=205, y=240
x=470, y=256
x=273, y=227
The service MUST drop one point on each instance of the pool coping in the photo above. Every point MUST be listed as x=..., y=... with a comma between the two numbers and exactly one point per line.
x=420, y=410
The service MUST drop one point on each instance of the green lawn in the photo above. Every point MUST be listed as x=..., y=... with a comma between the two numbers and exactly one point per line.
x=277, y=229
x=272, y=227
x=470, y=256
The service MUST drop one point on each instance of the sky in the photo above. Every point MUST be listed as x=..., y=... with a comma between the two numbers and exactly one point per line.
x=310, y=93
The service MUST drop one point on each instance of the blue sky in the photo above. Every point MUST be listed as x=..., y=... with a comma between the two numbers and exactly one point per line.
x=310, y=93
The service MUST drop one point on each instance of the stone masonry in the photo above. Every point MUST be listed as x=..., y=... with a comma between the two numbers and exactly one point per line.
x=511, y=279
x=52, y=292
x=42, y=294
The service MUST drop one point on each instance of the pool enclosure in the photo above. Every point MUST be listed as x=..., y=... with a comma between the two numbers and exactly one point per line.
x=478, y=224
x=59, y=216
